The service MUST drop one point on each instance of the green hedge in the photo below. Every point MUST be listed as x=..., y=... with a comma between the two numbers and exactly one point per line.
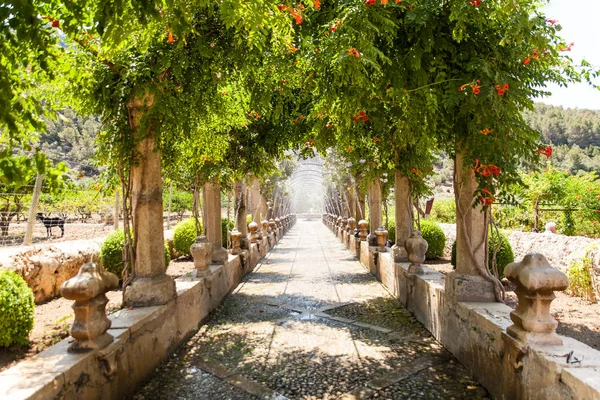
x=435, y=237
x=504, y=256
x=16, y=309
x=111, y=252
x=185, y=235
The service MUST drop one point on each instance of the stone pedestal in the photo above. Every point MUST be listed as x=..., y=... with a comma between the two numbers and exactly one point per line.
x=201, y=251
x=536, y=282
x=211, y=194
x=466, y=283
x=404, y=216
x=151, y=286
x=88, y=289
x=265, y=228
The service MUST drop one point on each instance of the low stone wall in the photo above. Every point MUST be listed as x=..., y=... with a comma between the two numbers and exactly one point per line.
x=144, y=337
x=560, y=250
x=476, y=334
x=46, y=267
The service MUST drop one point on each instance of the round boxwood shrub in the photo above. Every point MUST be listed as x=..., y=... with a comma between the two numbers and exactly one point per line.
x=435, y=237
x=184, y=236
x=111, y=252
x=504, y=256
x=16, y=309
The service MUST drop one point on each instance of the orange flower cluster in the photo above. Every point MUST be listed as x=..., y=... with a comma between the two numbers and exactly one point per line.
x=55, y=23
x=487, y=198
x=354, y=53
x=474, y=3
x=501, y=89
x=535, y=54
x=361, y=115
x=170, y=37
x=486, y=131
x=547, y=151
x=294, y=12
x=299, y=119
x=568, y=47
x=552, y=21
x=309, y=143
x=253, y=114
x=317, y=4
x=486, y=170
x=376, y=139
x=475, y=87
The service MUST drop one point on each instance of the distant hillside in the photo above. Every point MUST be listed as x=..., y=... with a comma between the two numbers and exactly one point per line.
x=70, y=138
x=574, y=134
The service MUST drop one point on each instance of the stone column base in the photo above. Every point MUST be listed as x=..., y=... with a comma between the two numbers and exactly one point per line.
x=540, y=338
x=151, y=291
x=464, y=287
x=399, y=253
x=219, y=256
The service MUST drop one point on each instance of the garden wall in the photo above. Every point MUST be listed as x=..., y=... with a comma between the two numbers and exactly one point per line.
x=144, y=337
x=561, y=251
x=46, y=267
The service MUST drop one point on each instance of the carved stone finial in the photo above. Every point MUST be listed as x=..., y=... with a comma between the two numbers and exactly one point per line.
x=416, y=248
x=344, y=223
x=88, y=289
x=265, y=228
x=201, y=251
x=381, y=235
x=272, y=225
x=536, y=282
x=351, y=225
x=236, y=241
x=363, y=226
x=253, y=235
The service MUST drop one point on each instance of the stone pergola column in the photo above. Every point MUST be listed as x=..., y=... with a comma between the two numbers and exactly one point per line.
x=239, y=189
x=255, y=201
x=404, y=217
x=211, y=194
x=151, y=285
x=374, y=208
x=360, y=201
x=466, y=283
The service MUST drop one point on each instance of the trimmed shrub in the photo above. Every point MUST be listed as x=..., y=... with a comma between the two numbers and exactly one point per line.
x=184, y=236
x=391, y=231
x=16, y=309
x=111, y=252
x=435, y=237
x=224, y=230
x=504, y=256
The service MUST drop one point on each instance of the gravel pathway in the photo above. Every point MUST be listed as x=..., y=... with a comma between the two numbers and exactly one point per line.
x=311, y=323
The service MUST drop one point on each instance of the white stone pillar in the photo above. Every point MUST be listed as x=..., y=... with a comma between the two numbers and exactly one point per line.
x=374, y=207
x=404, y=217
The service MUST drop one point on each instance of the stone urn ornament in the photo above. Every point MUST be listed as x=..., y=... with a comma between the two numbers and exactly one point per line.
x=253, y=235
x=351, y=225
x=88, y=289
x=265, y=228
x=362, y=227
x=381, y=235
x=201, y=251
x=272, y=226
x=536, y=282
x=416, y=247
x=236, y=241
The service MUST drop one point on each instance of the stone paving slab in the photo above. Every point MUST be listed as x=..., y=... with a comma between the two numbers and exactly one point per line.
x=311, y=323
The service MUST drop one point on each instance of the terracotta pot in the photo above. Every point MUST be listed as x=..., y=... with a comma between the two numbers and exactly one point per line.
x=201, y=251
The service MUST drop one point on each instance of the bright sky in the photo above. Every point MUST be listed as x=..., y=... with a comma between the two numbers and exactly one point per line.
x=579, y=20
